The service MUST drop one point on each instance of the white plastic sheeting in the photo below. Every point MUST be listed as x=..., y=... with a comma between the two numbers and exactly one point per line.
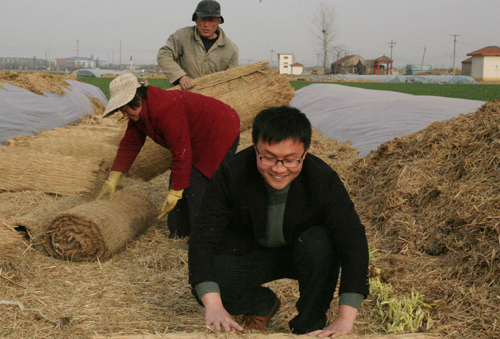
x=430, y=79
x=368, y=118
x=23, y=112
x=426, y=79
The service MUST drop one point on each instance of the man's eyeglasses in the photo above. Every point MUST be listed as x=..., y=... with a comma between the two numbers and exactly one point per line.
x=288, y=163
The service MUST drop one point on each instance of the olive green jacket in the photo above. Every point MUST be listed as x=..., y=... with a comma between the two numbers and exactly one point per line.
x=184, y=54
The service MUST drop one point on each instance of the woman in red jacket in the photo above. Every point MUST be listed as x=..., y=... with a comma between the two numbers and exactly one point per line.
x=199, y=131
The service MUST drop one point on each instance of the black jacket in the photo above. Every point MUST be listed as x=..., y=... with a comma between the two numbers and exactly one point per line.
x=234, y=213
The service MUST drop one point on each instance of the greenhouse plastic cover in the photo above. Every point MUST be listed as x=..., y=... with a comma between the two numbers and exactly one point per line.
x=368, y=118
x=24, y=113
x=425, y=79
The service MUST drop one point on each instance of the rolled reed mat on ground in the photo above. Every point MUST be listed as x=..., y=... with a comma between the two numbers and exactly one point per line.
x=24, y=169
x=98, y=229
x=255, y=335
x=151, y=161
x=70, y=141
x=248, y=89
x=36, y=221
x=9, y=239
x=108, y=135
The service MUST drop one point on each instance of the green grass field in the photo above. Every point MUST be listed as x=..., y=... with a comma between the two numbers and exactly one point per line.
x=483, y=92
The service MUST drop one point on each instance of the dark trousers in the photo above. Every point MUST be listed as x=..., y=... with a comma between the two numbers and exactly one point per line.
x=183, y=215
x=310, y=260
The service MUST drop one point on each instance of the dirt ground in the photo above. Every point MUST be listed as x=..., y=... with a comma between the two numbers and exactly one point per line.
x=429, y=202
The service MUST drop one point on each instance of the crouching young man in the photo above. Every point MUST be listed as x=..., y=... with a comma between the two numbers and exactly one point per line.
x=275, y=211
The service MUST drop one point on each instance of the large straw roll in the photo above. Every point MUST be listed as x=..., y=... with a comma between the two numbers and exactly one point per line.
x=151, y=161
x=248, y=89
x=9, y=239
x=25, y=169
x=35, y=222
x=98, y=229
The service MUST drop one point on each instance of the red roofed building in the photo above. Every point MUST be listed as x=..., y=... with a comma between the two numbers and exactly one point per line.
x=486, y=63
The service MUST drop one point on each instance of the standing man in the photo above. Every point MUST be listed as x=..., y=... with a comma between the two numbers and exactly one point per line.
x=194, y=51
x=275, y=211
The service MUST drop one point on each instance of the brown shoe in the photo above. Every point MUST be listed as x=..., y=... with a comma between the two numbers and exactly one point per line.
x=255, y=322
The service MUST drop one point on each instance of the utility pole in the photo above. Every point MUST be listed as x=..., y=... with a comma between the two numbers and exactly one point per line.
x=272, y=51
x=76, y=61
x=454, y=49
x=423, y=57
x=120, y=65
x=392, y=43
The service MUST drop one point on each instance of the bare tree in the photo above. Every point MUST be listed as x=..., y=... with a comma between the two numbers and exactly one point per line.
x=324, y=30
x=339, y=51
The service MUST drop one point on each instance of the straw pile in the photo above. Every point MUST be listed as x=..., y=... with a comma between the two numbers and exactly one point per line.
x=24, y=169
x=98, y=106
x=35, y=82
x=96, y=143
x=248, y=89
x=183, y=335
x=429, y=202
x=98, y=229
x=432, y=199
x=9, y=239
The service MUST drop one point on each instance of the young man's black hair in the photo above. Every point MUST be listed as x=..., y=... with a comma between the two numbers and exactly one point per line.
x=277, y=124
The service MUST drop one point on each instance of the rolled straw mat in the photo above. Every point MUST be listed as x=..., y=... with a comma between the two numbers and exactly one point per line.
x=151, y=161
x=9, y=238
x=255, y=335
x=24, y=169
x=98, y=229
x=35, y=222
x=248, y=89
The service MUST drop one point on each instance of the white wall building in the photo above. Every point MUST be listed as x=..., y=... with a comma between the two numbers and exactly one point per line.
x=297, y=68
x=486, y=63
x=285, y=61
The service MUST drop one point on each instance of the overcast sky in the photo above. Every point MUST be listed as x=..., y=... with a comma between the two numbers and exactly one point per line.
x=261, y=28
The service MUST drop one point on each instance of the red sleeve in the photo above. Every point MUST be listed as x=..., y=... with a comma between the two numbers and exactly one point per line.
x=130, y=146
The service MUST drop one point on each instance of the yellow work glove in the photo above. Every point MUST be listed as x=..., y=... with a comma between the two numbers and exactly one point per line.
x=172, y=197
x=110, y=185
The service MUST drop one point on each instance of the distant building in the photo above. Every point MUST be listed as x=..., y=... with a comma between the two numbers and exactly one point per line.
x=485, y=64
x=297, y=68
x=467, y=67
x=76, y=62
x=22, y=63
x=346, y=65
x=355, y=64
x=382, y=65
x=285, y=61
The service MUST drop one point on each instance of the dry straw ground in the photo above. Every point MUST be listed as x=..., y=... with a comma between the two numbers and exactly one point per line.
x=430, y=203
